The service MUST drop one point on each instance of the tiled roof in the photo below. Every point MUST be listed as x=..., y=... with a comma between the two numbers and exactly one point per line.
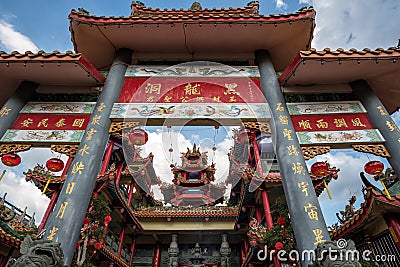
x=9, y=239
x=326, y=52
x=29, y=55
x=155, y=15
x=187, y=212
x=370, y=196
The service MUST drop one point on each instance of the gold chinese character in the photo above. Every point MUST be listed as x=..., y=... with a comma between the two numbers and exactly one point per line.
x=318, y=236
x=357, y=122
x=43, y=123
x=184, y=99
x=153, y=88
x=70, y=188
x=292, y=150
x=52, y=233
x=78, y=167
x=200, y=99
x=60, y=123
x=150, y=99
x=192, y=89
x=288, y=134
x=279, y=107
x=230, y=89
x=322, y=124
x=298, y=168
x=95, y=119
x=311, y=211
x=27, y=122
x=340, y=122
x=217, y=99
x=303, y=186
x=89, y=134
x=60, y=213
x=232, y=99
x=167, y=99
x=101, y=107
x=83, y=150
x=381, y=110
x=283, y=119
x=391, y=125
x=4, y=111
x=305, y=124
x=78, y=122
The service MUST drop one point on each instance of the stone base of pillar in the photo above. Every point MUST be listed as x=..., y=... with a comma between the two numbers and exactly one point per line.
x=336, y=253
x=40, y=253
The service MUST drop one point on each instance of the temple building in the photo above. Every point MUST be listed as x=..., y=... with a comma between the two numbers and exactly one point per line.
x=133, y=80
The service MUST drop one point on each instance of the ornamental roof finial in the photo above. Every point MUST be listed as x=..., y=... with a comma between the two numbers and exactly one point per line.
x=196, y=6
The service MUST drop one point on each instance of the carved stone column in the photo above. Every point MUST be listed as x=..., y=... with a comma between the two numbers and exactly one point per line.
x=173, y=251
x=225, y=251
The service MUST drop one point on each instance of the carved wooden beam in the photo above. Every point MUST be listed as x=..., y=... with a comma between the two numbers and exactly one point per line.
x=375, y=149
x=259, y=126
x=13, y=148
x=310, y=152
x=118, y=126
x=69, y=150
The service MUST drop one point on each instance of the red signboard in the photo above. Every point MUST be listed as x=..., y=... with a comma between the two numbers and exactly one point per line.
x=331, y=122
x=51, y=122
x=189, y=89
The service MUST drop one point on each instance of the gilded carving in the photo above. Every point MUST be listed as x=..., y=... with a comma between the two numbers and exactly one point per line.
x=13, y=148
x=260, y=126
x=375, y=149
x=310, y=152
x=69, y=150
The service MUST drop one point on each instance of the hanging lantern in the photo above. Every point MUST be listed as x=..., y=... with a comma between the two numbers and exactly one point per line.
x=97, y=245
x=11, y=160
x=374, y=167
x=320, y=169
x=138, y=137
x=281, y=221
x=107, y=220
x=278, y=245
x=245, y=136
x=55, y=164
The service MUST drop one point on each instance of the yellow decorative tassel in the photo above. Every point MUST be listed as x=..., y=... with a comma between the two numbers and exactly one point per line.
x=386, y=191
x=2, y=175
x=45, y=187
x=327, y=190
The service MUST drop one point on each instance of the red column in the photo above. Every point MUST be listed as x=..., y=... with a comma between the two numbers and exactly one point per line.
x=157, y=256
x=257, y=157
x=394, y=227
x=267, y=209
x=107, y=157
x=258, y=214
x=121, y=240
x=133, y=247
x=118, y=175
x=130, y=193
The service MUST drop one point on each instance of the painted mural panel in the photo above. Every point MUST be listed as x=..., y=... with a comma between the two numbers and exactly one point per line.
x=51, y=121
x=310, y=108
x=43, y=136
x=59, y=107
x=340, y=137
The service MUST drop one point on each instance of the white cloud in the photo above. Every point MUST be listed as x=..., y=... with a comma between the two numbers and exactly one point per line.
x=280, y=4
x=308, y=2
x=12, y=40
x=358, y=24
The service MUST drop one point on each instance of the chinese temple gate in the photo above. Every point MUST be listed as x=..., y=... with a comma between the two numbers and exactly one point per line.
x=130, y=78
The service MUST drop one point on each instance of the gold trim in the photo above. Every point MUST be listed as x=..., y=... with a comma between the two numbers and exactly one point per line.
x=69, y=150
x=375, y=149
x=260, y=126
x=117, y=126
x=13, y=148
x=310, y=152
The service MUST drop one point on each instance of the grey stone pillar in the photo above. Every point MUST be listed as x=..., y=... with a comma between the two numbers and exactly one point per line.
x=380, y=119
x=225, y=251
x=305, y=213
x=173, y=251
x=10, y=111
x=65, y=222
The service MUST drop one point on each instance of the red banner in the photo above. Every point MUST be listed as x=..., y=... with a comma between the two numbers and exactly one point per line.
x=332, y=122
x=51, y=122
x=189, y=89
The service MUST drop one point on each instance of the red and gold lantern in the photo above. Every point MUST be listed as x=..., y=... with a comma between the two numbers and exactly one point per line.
x=245, y=136
x=11, y=160
x=320, y=169
x=278, y=245
x=138, y=137
x=107, y=220
x=55, y=165
x=374, y=167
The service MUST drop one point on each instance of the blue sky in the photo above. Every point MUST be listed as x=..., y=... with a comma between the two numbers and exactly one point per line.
x=43, y=25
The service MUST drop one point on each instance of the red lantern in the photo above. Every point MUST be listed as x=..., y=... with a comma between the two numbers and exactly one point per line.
x=97, y=245
x=278, y=245
x=281, y=221
x=11, y=160
x=245, y=136
x=138, y=137
x=86, y=220
x=320, y=169
x=55, y=165
x=374, y=167
x=107, y=220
